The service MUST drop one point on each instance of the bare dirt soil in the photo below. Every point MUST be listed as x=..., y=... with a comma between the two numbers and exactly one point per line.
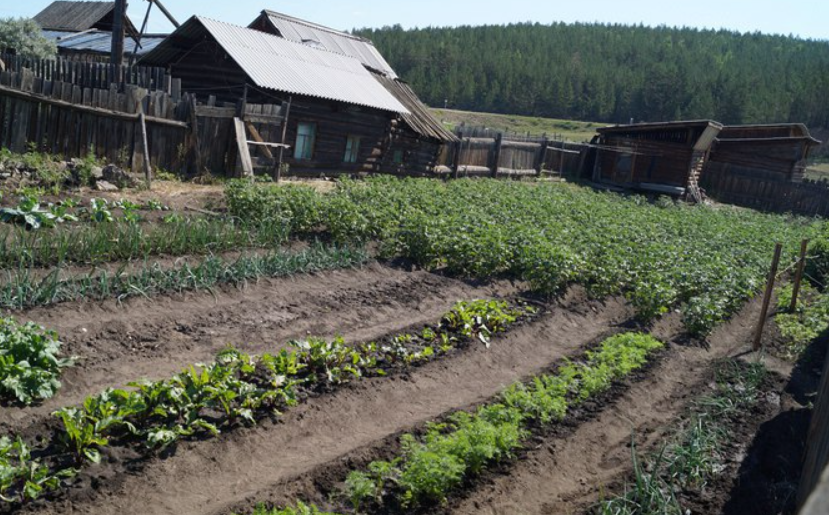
x=154, y=338
x=211, y=476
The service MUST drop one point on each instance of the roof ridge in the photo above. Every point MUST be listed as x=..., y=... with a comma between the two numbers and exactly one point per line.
x=311, y=24
x=286, y=41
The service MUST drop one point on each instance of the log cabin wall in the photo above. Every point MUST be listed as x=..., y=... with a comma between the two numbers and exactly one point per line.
x=334, y=123
x=629, y=157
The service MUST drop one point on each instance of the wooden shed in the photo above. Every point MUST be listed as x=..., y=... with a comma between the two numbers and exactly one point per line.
x=762, y=166
x=660, y=157
x=769, y=152
x=80, y=16
x=340, y=120
x=417, y=137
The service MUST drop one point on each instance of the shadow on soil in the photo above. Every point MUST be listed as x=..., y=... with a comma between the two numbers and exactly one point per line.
x=770, y=473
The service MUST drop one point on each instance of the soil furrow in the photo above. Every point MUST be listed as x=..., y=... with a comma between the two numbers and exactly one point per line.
x=565, y=475
x=206, y=477
x=155, y=338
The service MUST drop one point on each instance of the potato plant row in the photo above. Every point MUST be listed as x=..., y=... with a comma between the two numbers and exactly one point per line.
x=236, y=389
x=432, y=465
x=661, y=255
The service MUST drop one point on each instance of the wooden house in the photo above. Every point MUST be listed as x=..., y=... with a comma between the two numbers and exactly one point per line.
x=417, y=137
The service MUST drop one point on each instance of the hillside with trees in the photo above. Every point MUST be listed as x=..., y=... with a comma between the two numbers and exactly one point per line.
x=612, y=73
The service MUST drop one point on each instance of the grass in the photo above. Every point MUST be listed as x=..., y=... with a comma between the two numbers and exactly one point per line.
x=818, y=171
x=567, y=129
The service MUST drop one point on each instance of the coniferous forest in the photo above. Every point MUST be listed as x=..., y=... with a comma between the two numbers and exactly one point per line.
x=614, y=73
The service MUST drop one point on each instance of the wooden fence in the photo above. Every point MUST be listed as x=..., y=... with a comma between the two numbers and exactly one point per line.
x=814, y=482
x=486, y=153
x=70, y=120
x=92, y=75
x=743, y=189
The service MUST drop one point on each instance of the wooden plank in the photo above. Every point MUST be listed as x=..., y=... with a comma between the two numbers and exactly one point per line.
x=242, y=146
x=215, y=112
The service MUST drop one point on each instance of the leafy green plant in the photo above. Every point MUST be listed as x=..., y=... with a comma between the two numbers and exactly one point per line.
x=100, y=212
x=431, y=466
x=29, y=214
x=30, y=361
x=22, y=478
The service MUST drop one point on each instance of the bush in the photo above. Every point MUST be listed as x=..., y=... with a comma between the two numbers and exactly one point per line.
x=24, y=37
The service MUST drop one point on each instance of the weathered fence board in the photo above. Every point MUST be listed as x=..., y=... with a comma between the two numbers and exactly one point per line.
x=91, y=75
x=735, y=187
x=817, y=453
x=70, y=120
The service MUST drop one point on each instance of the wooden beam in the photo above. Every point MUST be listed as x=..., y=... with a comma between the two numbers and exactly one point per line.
x=267, y=145
x=242, y=147
x=277, y=175
x=259, y=141
x=145, y=148
x=118, y=33
x=164, y=10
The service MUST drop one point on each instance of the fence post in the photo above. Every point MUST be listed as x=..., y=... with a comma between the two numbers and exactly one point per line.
x=456, y=159
x=145, y=148
x=545, y=144
x=758, y=336
x=499, y=141
x=798, y=278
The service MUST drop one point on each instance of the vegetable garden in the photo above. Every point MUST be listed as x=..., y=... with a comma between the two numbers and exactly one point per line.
x=389, y=346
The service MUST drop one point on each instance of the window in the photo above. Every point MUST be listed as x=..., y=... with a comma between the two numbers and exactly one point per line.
x=352, y=149
x=398, y=157
x=306, y=135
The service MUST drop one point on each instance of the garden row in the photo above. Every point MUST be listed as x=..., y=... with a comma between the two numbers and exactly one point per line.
x=695, y=455
x=103, y=232
x=433, y=464
x=236, y=389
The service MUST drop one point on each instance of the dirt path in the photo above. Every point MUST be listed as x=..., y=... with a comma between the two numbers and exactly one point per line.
x=157, y=337
x=208, y=477
x=563, y=476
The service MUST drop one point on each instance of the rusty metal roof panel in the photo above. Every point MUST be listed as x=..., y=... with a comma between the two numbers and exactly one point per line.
x=282, y=65
x=318, y=36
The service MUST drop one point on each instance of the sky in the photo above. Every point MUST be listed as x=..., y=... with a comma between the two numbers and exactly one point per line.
x=803, y=18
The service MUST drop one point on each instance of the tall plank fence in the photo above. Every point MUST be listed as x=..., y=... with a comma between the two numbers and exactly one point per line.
x=72, y=119
x=91, y=75
x=749, y=190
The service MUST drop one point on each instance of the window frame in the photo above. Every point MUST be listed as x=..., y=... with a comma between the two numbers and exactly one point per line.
x=310, y=147
x=352, y=148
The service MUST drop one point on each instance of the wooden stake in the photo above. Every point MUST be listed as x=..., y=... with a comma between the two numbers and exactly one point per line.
x=145, y=149
x=798, y=278
x=277, y=175
x=758, y=336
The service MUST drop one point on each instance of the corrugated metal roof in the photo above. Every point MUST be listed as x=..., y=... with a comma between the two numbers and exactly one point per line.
x=420, y=119
x=73, y=16
x=278, y=64
x=343, y=43
x=97, y=41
